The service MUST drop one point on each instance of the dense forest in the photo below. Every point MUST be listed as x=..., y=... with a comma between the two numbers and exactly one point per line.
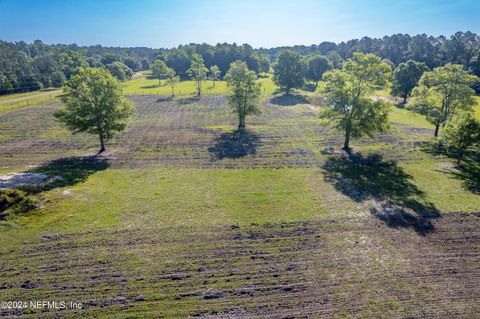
x=31, y=66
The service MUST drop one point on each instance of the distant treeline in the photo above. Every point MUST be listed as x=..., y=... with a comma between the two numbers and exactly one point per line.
x=26, y=67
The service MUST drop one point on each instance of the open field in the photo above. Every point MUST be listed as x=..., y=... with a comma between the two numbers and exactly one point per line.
x=15, y=102
x=183, y=216
x=146, y=85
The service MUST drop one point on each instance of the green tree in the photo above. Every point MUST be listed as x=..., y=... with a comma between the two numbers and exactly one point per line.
x=348, y=93
x=405, y=78
x=120, y=71
x=159, y=70
x=335, y=59
x=316, y=67
x=94, y=104
x=197, y=71
x=289, y=71
x=71, y=62
x=263, y=64
x=58, y=78
x=461, y=134
x=215, y=73
x=172, y=80
x=443, y=92
x=245, y=91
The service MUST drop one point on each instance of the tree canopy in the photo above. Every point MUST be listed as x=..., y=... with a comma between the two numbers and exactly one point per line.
x=462, y=134
x=443, y=92
x=119, y=70
x=30, y=66
x=94, y=104
x=289, y=71
x=159, y=70
x=405, y=78
x=316, y=67
x=348, y=93
x=172, y=80
x=245, y=91
x=215, y=73
x=198, y=72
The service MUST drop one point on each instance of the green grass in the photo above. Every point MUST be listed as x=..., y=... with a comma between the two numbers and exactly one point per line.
x=112, y=198
x=5, y=98
x=125, y=229
x=145, y=85
x=403, y=116
x=34, y=101
x=173, y=198
x=441, y=188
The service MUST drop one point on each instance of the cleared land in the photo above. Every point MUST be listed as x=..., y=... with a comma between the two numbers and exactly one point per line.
x=184, y=217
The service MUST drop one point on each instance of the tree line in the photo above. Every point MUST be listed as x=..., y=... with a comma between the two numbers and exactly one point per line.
x=460, y=48
x=30, y=66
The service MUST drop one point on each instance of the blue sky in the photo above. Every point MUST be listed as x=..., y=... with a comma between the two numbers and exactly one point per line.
x=267, y=23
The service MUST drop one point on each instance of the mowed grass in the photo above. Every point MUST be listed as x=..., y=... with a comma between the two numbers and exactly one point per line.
x=192, y=197
x=5, y=98
x=128, y=198
x=403, y=116
x=146, y=85
x=9, y=105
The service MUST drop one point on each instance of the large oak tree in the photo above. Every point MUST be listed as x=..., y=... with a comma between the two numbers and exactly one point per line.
x=94, y=104
x=289, y=71
x=348, y=93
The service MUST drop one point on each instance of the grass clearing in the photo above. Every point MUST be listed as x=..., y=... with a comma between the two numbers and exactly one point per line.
x=29, y=100
x=185, y=217
x=146, y=85
x=8, y=97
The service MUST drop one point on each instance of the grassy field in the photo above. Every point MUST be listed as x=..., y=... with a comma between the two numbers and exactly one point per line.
x=146, y=85
x=183, y=216
x=5, y=98
x=15, y=102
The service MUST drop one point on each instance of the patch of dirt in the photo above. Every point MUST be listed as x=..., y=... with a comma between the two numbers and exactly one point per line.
x=16, y=180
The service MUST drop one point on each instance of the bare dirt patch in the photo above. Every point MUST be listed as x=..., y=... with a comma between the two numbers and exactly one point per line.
x=17, y=180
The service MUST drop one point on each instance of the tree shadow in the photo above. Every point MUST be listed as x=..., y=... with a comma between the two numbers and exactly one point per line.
x=235, y=144
x=399, y=202
x=21, y=199
x=309, y=87
x=289, y=100
x=468, y=171
x=165, y=99
x=67, y=171
x=188, y=100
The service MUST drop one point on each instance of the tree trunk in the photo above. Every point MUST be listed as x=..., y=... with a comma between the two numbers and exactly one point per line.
x=241, y=122
x=459, y=157
x=316, y=85
x=199, y=88
x=102, y=143
x=214, y=83
x=404, y=99
x=346, y=144
x=287, y=90
x=437, y=127
x=173, y=92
